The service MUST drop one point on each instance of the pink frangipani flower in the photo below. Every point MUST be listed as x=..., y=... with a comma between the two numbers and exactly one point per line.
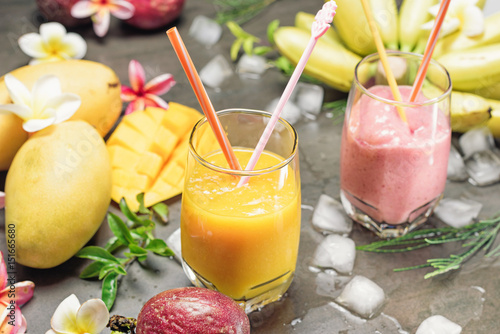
x=100, y=11
x=12, y=296
x=141, y=95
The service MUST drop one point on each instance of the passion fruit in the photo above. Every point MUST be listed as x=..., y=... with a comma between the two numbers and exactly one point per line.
x=192, y=310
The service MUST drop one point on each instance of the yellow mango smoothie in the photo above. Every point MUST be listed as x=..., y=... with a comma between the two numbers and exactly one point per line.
x=242, y=241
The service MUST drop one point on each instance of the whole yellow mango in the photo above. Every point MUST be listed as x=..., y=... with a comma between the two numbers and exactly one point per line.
x=97, y=85
x=58, y=190
x=12, y=136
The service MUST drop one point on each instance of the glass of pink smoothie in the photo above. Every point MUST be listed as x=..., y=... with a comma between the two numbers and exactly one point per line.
x=392, y=172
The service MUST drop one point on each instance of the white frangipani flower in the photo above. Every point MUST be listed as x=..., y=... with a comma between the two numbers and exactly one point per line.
x=462, y=15
x=53, y=43
x=43, y=106
x=72, y=318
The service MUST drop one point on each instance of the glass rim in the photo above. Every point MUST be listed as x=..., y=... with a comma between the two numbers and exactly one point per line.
x=254, y=172
x=446, y=93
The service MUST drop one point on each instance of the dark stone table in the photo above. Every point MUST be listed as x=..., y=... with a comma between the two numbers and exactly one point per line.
x=469, y=296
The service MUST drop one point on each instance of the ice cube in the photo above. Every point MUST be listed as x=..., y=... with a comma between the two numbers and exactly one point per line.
x=329, y=216
x=205, y=30
x=290, y=112
x=457, y=212
x=476, y=140
x=174, y=243
x=251, y=66
x=329, y=284
x=216, y=71
x=309, y=98
x=362, y=296
x=456, y=166
x=437, y=324
x=483, y=168
x=335, y=252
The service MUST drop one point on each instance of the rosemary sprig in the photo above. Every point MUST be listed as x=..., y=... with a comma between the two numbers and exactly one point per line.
x=239, y=11
x=133, y=237
x=480, y=235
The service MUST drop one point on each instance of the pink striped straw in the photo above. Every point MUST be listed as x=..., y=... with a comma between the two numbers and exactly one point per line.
x=320, y=25
x=429, y=49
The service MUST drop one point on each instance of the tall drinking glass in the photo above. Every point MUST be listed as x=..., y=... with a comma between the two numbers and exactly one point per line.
x=392, y=172
x=242, y=241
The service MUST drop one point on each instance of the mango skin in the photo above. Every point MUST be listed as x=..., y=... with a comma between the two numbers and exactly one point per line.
x=58, y=190
x=97, y=85
x=12, y=137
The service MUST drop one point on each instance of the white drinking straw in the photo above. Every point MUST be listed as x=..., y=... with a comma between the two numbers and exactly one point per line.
x=320, y=25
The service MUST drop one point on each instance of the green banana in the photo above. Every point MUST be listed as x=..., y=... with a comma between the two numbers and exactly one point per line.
x=352, y=25
x=304, y=21
x=458, y=41
x=473, y=69
x=468, y=111
x=331, y=64
x=412, y=14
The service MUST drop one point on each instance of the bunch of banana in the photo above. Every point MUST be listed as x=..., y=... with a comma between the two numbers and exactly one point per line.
x=473, y=62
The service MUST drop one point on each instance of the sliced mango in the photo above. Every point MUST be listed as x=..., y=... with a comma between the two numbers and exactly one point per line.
x=148, y=152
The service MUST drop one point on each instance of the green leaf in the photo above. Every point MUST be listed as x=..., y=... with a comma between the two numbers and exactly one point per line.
x=271, y=28
x=92, y=270
x=236, y=30
x=97, y=254
x=137, y=251
x=127, y=212
x=142, y=208
x=119, y=229
x=161, y=209
x=159, y=247
x=113, y=244
x=284, y=65
x=262, y=50
x=112, y=267
x=109, y=289
x=235, y=48
x=248, y=46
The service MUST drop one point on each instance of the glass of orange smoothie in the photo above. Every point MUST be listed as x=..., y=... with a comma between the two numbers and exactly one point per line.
x=242, y=241
x=392, y=172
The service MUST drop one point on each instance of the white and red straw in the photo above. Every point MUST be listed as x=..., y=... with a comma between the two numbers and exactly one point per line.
x=320, y=25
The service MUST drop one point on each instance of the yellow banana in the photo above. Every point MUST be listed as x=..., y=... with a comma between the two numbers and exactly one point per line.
x=473, y=69
x=494, y=121
x=412, y=14
x=385, y=13
x=459, y=41
x=352, y=25
x=329, y=63
x=304, y=21
x=467, y=111
x=490, y=92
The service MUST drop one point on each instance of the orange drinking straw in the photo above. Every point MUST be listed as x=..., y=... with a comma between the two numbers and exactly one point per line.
x=429, y=49
x=383, y=57
x=202, y=96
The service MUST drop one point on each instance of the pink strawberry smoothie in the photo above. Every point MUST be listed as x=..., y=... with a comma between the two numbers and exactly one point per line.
x=392, y=170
